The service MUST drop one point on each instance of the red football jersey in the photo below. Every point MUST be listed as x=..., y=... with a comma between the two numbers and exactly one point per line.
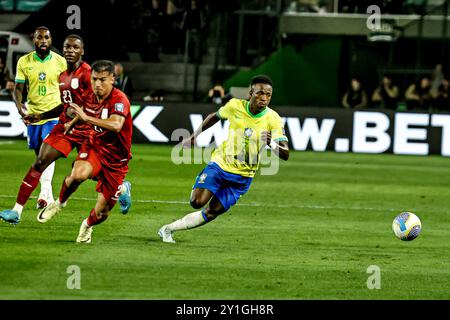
x=73, y=85
x=113, y=149
x=76, y=87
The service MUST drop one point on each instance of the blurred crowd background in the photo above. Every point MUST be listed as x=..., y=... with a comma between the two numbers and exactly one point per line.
x=319, y=52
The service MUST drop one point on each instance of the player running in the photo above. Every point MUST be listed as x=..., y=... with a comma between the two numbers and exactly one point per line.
x=253, y=126
x=105, y=158
x=39, y=71
x=74, y=83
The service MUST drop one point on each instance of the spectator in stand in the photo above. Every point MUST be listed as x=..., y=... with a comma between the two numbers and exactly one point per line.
x=6, y=84
x=386, y=95
x=194, y=21
x=304, y=6
x=418, y=95
x=437, y=77
x=307, y=6
x=153, y=25
x=441, y=98
x=123, y=81
x=155, y=96
x=172, y=35
x=8, y=89
x=355, y=97
x=217, y=95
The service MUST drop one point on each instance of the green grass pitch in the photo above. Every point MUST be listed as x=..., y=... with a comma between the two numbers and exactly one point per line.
x=309, y=232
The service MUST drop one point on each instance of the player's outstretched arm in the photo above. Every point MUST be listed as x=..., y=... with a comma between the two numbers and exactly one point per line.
x=53, y=113
x=209, y=121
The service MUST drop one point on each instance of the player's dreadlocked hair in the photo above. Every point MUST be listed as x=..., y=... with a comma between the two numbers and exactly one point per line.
x=261, y=79
x=103, y=65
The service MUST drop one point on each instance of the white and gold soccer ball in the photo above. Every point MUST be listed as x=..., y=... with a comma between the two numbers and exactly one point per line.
x=406, y=226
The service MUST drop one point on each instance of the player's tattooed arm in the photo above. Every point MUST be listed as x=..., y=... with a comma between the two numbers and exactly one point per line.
x=17, y=97
x=114, y=123
x=209, y=121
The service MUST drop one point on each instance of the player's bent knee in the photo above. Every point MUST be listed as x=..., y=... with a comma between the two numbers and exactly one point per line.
x=196, y=203
x=81, y=175
x=41, y=164
x=210, y=214
x=79, y=178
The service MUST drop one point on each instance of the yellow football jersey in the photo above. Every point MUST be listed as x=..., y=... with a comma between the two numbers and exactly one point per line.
x=240, y=153
x=42, y=80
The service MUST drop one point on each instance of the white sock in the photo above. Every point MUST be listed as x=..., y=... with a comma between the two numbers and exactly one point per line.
x=62, y=205
x=189, y=221
x=18, y=208
x=46, y=183
x=86, y=224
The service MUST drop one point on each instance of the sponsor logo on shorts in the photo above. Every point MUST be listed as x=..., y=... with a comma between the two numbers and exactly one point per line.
x=119, y=107
x=83, y=155
x=202, y=178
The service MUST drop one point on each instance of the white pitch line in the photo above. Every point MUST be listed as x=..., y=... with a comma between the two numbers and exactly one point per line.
x=256, y=205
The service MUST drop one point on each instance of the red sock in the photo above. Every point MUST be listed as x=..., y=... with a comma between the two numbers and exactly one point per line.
x=93, y=219
x=28, y=185
x=66, y=191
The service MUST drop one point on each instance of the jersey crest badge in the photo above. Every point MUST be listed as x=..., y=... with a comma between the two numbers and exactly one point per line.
x=202, y=178
x=248, y=132
x=42, y=76
x=74, y=83
x=119, y=107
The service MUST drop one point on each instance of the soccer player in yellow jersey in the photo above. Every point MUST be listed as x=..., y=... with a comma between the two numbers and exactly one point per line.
x=253, y=127
x=39, y=71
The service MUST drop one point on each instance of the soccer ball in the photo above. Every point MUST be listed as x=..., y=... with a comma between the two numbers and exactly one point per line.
x=406, y=226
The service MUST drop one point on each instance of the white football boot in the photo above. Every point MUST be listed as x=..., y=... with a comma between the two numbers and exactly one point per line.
x=49, y=212
x=166, y=235
x=85, y=234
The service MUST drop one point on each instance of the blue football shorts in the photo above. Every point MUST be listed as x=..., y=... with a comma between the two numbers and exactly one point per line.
x=38, y=132
x=227, y=187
